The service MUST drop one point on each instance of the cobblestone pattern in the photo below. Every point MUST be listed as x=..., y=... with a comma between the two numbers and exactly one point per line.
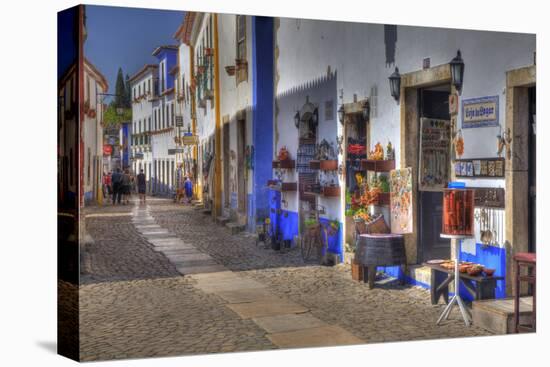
x=133, y=303
x=119, y=252
x=389, y=312
x=160, y=317
x=238, y=252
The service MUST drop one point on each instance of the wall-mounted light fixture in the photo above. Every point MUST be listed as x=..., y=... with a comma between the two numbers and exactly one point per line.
x=341, y=114
x=297, y=119
x=366, y=110
x=395, y=84
x=457, y=71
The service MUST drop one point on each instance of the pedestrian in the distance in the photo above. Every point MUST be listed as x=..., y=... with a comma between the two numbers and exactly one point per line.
x=188, y=189
x=141, y=184
x=116, y=181
x=126, y=187
x=106, y=184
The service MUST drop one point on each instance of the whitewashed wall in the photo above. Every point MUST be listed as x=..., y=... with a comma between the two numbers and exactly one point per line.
x=357, y=53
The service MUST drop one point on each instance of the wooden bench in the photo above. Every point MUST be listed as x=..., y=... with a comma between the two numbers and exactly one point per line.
x=479, y=286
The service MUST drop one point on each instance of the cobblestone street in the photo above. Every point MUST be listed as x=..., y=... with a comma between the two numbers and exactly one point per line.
x=144, y=292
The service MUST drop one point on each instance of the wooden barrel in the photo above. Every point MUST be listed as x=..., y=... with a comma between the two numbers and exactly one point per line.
x=380, y=249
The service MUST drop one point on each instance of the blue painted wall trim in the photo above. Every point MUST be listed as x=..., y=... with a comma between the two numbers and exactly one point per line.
x=262, y=117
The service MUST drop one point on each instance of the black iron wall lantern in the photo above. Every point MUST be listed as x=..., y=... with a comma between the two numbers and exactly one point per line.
x=297, y=119
x=395, y=84
x=341, y=114
x=457, y=71
x=366, y=111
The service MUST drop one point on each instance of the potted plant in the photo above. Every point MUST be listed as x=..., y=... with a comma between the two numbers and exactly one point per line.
x=230, y=70
x=311, y=225
x=333, y=227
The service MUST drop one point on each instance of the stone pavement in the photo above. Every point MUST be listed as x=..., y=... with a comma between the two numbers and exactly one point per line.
x=163, y=279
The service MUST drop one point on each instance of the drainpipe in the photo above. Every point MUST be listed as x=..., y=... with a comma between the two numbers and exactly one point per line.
x=217, y=161
x=80, y=129
x=197, y=187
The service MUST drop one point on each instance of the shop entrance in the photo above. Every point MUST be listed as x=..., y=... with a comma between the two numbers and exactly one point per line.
x=433, y=107
x=241, y=173
x=532, y=169
x=226, y=185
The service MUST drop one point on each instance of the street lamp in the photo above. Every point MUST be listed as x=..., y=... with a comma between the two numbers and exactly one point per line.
x=366, y=110
x=297, y=119
x=457, y=71
x=395, y=84
x=341, y=114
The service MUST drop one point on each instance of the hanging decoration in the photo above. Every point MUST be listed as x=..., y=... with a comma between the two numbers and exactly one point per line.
x=401, y=211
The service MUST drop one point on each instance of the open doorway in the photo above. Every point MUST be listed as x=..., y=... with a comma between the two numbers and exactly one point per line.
x=532, y=142
x=434, y=164
x=241, y=173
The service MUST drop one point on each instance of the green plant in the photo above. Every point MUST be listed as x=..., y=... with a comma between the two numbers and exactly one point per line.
x=311, y=222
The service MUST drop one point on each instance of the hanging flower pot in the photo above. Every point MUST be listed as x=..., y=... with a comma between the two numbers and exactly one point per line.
x=208, y=51
x=201, y=69
x=230, y=70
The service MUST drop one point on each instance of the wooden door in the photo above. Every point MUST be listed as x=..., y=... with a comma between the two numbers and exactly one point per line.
x=433, y=105
x=241, y=176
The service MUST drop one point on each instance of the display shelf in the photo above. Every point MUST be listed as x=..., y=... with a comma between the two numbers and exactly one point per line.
x=284, y=186
x=315, y=164
x=377, y=166
x=287, y=164
x=384, y=198
x=331, y=191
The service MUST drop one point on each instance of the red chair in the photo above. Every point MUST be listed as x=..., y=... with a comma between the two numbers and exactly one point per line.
x=526, y=260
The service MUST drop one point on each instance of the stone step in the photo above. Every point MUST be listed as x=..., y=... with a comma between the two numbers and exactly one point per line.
x=497, y=315
x=222, y=220
x=235, y=227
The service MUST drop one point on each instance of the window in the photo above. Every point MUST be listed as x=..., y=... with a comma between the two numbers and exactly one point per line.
x=149, y=124
x=173, y=115
x=88, y=180
x=162, y=118
x=148, y=85
x=87, y=89
x=162, y=77
x=139, y=90
x=241, y=37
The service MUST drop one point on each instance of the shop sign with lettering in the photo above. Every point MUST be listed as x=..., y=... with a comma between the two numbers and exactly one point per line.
x=480, y=112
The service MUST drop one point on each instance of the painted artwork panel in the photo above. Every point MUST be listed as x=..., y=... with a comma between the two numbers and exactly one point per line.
x=401, y=210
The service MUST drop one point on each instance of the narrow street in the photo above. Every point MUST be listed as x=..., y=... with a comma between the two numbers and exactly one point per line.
x=164, y=279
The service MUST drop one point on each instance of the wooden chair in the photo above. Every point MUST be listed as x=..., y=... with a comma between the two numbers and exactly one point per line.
x=529, y=261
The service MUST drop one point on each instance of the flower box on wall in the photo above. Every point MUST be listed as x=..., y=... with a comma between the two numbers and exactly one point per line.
x=331, y=191
x=328, y=165
x=284, y=186
x=377, y=166
x=287, y=163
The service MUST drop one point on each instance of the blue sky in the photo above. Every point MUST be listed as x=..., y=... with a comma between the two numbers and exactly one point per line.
x=126, y=37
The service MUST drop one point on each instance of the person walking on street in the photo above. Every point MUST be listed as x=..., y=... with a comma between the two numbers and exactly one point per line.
x=141, y=184
x=188, y=189
x=116, y=181
x=126, y=187
x=106, y=185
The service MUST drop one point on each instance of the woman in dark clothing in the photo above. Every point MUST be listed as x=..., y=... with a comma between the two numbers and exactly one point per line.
x=141, y=184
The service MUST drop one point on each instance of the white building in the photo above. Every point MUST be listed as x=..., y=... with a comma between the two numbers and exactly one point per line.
x=91, y=163
x=163, y=130
x=143, y=92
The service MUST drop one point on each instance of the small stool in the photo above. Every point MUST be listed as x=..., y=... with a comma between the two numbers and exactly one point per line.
x=529, y=261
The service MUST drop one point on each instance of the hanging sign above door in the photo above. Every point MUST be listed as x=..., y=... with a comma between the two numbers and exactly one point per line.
x=434, y=166
x=480, y=112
